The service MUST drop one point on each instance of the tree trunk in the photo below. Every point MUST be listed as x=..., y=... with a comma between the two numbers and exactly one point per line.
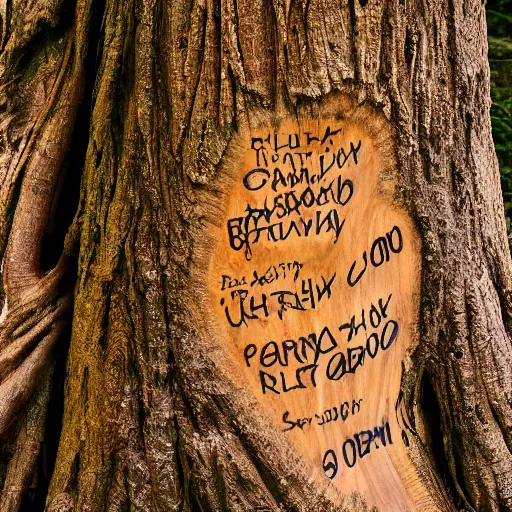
x=139, y=143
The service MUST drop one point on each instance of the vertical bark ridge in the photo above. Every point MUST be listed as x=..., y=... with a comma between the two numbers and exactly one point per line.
x=37, y=306
x=31, y=435
x=464, y=340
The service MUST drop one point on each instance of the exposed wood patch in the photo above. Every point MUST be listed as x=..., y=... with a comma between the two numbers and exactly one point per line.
x=311, y=299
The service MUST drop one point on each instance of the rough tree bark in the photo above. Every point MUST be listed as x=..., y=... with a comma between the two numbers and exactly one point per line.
x=134, y=104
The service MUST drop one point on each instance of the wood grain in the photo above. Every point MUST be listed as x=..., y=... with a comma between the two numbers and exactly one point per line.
x=282, y=314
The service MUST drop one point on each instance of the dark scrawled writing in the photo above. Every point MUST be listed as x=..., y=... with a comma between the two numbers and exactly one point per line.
x=300, y=173
x=271, y=274
x=242, y=306
x=310, y=351
x=337, y=413
x=247, y=230
x=380, y=253
x=355, y=448
x=373, y=315
x=301, y=187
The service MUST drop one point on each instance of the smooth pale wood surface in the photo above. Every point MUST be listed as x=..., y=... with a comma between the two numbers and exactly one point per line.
x=386, y=475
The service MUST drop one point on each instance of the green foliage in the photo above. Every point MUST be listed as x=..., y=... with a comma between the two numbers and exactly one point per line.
x=499, y=29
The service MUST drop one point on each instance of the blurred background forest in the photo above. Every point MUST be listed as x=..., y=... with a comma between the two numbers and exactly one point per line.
x=499, y=30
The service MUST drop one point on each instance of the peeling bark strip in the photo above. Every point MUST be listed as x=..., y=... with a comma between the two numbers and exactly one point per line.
x=311, y=295
x=151, y=99
x=37, y=301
